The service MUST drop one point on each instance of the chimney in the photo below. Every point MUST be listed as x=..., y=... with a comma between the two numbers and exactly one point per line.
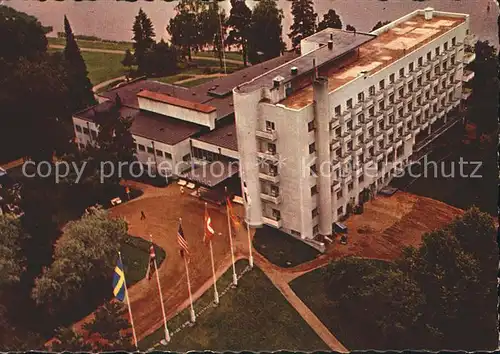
x=294, y=70
x=330, y=44
x=428, y=13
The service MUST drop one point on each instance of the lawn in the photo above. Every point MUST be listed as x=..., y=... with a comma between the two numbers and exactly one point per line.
x=103, y=66
x=252, y=317
x=229, y=55
x=282, y=249
x=93, y=44
x=135, y=256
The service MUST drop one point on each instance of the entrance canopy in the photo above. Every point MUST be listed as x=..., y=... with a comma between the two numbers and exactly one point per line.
x=212, y=174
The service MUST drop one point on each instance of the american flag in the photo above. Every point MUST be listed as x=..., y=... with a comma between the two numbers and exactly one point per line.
x=181, y=240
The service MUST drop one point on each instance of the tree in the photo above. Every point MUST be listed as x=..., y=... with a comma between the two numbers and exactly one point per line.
x=128, y=60
x=239, y=22
x=11, y=261
x=304, y=21
x=161, y=60
x=67, y=340
x=350, y=28
x=483, y=107
x=83, y=257
x=78, y=83
x=330, y=19
x=265, y=40
x=21, y=35
x=112, y=327
x=143, y=38
x=380, y=24
x=213, y=23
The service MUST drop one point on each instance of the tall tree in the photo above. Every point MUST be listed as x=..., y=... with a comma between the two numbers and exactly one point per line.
x=128, y=60
x=67, y=340
x=330, y=19
x=265, y=40
x=239, y=23
x=78, y=83
x=11, y=261
x=380, y=24
x=143, y=38
x=483, y=107
x=304, y=21
x=161, y=60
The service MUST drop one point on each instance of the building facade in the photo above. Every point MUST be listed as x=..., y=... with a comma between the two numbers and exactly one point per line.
x=318, y=132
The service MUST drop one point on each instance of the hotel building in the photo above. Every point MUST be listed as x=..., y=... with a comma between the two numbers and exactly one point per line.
x=312, y=132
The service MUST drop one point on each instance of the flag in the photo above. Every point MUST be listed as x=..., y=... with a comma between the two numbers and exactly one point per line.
x=232, y=215
x=119, y=281
x=181, y=240
x=209, y=230
x=151, y=265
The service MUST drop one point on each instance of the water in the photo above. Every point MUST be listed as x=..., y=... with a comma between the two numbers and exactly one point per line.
x=111, y=19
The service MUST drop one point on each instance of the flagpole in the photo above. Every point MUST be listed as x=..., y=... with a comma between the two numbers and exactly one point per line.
x=216, y=294
x=193, y=316
x=128, y=302
x=167, y=333
x=235, y=278
x=250, y=258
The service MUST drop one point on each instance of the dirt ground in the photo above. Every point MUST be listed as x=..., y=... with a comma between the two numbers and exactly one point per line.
x=386, y=226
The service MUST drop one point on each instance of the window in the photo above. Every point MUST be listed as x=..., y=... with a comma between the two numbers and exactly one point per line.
x=454, y=41
x=391, y=78
x=339, y=195
x=271, y=148
x=270, y=125
x=159, y=153
x=429, y=56
x=168, y=155
x=410, y=106
x=85, y=130
x=361, y=96
x=141, y=147
x=310, y=126
x=446, y=46
x=313, y=170
x=381, y=84
x=428, y=75
x=452, y=60
x=315, y=230
x=312, y=148
x=150, y=150
x=400, y=112
x=186, y=157
x=371, y=90
x=391, y=118
x=410, y=86
x=314, y=190
x=337, y=110
x=427, y=95
x=391, y=98
x=401, y=92
x=340, y=210
x=420, y=61
x=349, y=103
x=349, y=125
x=419, y=99
x=419, y=81
x=402, y=72
x=93, y=133
x=349, y=187
x=410, y=67
x=78, y=128
x=314, y=213
x=337, y=131
x=361, y=179
x=437, y=51
x=371, y=111
x=381, y=105
x=277, y=216
x=349, y=145
x=361, y=118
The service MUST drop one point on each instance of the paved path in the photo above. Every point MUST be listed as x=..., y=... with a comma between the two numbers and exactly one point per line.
x=107, y=82
x=118, y=51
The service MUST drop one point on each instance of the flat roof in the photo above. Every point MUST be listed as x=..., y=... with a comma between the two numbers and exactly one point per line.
x=343, y=42
x=211, y=174
x=165, y=98
x=223, y=136
x=384, y=50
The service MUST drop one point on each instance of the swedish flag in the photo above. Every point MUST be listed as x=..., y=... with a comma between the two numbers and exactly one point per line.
x=119, y=281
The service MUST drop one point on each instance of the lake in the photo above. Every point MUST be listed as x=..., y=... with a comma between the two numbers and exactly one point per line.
x=111, y=19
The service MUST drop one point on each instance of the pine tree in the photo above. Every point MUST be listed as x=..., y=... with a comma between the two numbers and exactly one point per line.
x=128, y=60
x=143, y=39
x=239, y=22
x=330, y=20
x=304, y=21
x=79, y=85
x=265, y=40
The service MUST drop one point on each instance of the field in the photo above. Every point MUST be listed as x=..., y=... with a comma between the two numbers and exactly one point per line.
x=252, y=317
x=93, y=44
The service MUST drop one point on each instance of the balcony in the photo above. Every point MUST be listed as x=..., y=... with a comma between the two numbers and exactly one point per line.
x=425, y=126
x=269, y=134
x=469, y=58
x=335, y=145
x=440, y=113
x=466, y=92
x=344, y=116
x=335, y=165
x=399, y=124
x=269, y=176
x=398, y=143
x=336, y=186
x=274, y=222
x=433, y=119
x=408, y=117
x=357, y=150
x=368, y=124
x=388, y=131
x=346, y=158
x=270, y=156
x=468, y=75
x=448, y=107
x=417, y=111
x=407, y=136
x=344, y=139
x=369, y=143
x=275, y=199
x=426, y=106
x=358, y=130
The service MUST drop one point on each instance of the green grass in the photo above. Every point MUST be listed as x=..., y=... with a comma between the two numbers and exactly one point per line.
x=135, y=255
x=229, y=55
x=252, y=317
x=196, y=82
x=103, y=66
x=93, y=44
x=282, y=249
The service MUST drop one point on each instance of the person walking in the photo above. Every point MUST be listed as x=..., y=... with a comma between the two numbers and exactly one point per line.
x=143, y=216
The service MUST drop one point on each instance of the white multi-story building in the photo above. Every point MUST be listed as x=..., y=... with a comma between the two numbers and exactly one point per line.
x=317, y=132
